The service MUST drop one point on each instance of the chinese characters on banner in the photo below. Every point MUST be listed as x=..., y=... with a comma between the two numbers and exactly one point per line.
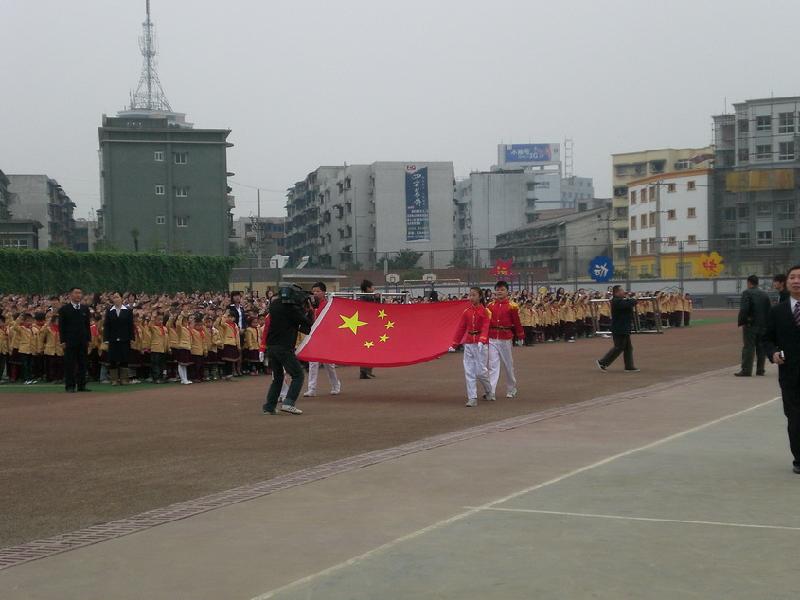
x=417, y=214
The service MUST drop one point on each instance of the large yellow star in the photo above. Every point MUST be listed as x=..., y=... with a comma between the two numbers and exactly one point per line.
x=381, y=314
x=369, y=344
x=384, y=337
x=389, y=324
x=352, y=323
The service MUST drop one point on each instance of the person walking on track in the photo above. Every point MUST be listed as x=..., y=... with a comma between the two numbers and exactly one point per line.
x=753, y=310
x=621, y=324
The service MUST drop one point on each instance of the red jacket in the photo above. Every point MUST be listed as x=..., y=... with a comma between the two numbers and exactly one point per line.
x=505, y=324
x=473, y=326
x=263, y=342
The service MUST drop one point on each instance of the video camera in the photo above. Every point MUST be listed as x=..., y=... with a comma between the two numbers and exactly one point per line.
x=291, y=293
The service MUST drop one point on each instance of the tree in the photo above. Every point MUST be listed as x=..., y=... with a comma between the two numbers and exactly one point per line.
x=135, y=236
x=405, y=259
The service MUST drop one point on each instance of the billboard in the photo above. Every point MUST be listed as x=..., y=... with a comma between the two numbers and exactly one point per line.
x=522, y=155
x=418, y=226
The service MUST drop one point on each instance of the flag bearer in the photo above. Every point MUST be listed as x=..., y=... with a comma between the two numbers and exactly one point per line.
x=473, y=334
x=503, y=328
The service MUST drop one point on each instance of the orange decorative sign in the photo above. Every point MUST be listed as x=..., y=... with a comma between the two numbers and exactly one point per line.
x=711, y=264
x=502, y=268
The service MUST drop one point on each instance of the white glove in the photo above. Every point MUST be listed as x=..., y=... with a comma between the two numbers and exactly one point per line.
x=261, y=357
x=451, y=349
x=481, y=345
x=518, y=343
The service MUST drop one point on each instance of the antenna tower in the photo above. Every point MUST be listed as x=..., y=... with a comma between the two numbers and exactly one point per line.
x=568, y=158
x=149, y=94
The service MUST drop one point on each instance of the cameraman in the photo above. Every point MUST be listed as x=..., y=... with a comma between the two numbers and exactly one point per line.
x=290, y=312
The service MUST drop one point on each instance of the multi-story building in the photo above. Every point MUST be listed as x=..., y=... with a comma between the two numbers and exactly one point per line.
x=564, y=241
x=631, y=166
x=668, y=224
x=5, y=196
x=85, y=235
x=163, y=184
x=756, y=186
x=264, y=234
x=358, y=215
x=40, y=198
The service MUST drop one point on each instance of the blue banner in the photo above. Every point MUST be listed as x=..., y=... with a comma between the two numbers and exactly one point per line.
x=601, y=269
x=526, y=153
x=417, y=214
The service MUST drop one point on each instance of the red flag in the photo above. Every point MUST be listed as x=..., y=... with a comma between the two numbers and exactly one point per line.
x=353, y=332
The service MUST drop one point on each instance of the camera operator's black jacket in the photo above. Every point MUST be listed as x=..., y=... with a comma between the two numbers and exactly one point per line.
x=285, y=320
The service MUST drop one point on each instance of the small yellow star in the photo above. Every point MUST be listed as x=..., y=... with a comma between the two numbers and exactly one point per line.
x=389, y=324
x=352, y=323
x=381, y=314
x=369, y=344
x=384, y=337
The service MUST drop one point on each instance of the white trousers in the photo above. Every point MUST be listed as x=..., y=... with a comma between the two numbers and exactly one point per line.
x=500, y=352
x=313, y=373
x=476, y=369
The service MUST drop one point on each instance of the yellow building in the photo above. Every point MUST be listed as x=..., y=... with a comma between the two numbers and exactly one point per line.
x=632, y=166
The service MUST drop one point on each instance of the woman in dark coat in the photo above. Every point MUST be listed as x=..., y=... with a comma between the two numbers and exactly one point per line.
x=118, y=333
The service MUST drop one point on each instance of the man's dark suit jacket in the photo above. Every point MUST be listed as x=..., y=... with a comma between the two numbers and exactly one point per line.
x=754, y=308
x=74, y=324
x=783, y=334
x=622, y=315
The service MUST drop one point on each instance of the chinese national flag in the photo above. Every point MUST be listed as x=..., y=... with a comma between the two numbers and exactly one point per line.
x=368, y=334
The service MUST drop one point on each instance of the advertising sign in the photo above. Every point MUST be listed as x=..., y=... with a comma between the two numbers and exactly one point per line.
x=601, y=269
x=417, y=213
x=521, y=155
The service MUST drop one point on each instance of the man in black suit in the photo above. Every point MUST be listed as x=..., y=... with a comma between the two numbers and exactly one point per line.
x=779, y=285
x=753, y=310
x=118, y=334
x=782, y=345
x=73, y=320
x=621, y=324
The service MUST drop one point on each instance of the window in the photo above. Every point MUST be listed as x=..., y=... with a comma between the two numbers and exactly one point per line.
x=683, y=164
x=182, y=221
x=181, y=191
x=691, y=186
x=633, y=248
x=787, y=235
x=643, y=221
x=643, y=194
x=633, y=196
x=763, y=151
x=743, y=210
x=691, y=212
x=347, y=183
x=671, y=214
x=764, y=238
x=691, y=239
x=785, y=209
x=158, y=156
x=743, y=125
x=181, y=158
x=672, y=241
x=159, y=190
x=652, y=219
x=13, y=243
x=744, y=238
x=763, y=209
x=645, y=249
x=786, y=151
x=744, y=155
x=620, y=191
x=786, y=122
x=161, y=220
x=652, y=193
x=764, y=123
x=729, y=214
x=633, y=222
x=530, y=186
x=621, y=234
x=670, y=187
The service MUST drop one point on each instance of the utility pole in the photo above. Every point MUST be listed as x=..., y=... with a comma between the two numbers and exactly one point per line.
x=258, y=225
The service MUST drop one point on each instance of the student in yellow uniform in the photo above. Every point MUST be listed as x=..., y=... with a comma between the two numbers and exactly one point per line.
x=26, y=345
x=159, y=346
x=53, y=352
x=4, y=346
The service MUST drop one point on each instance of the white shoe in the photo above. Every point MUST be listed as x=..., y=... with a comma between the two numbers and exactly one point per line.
x=337, y=390
x=489, y=397
x=310, y=394
x=186, y=383
x=511, y=394
x=292, y=410
x=472, y=402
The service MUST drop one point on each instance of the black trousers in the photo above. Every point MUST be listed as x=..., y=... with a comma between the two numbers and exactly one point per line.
x=752, y=346
x=75, y=366
x=281, y=359
x=790, y=391
x=622, y=345
x=158, y=362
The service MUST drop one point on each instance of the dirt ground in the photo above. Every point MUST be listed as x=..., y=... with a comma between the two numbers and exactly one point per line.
x=72, y=460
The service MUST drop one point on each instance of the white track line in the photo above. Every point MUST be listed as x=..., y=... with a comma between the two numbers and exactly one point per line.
x=624, y=518
x=439, y=524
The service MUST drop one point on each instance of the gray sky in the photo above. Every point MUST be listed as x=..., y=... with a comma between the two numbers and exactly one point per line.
x=319, y=82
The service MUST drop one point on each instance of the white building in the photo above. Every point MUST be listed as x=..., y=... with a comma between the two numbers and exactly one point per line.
x=668, y=216
x=42, y=199
x=356, y=215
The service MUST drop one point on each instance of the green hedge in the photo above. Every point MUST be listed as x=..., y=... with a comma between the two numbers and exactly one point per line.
x=55, y=271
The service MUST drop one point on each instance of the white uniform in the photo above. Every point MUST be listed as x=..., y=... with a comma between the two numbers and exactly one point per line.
x=475, y=370
x=500, y=352
x=313, y=373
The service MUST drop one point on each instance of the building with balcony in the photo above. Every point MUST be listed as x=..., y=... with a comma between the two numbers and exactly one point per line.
x=668, y=224
x=85, y=235
x=354, y=216
x=564, y=241
x=38, y=198
x=631, y=166
x=264, y=236
x=756, y=186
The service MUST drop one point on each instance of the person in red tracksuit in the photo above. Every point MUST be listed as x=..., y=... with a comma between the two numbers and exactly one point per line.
x=473, y=334
x=504, y=327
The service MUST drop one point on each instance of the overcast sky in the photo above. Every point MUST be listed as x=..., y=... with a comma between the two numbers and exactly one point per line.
x=303, y=84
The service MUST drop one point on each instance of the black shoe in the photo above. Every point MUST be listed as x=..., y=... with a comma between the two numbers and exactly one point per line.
x=634, y=370
x=264, y=411
x=370, y=376
x=84, y=389
x=363, y=376
x=796, y=469
x=740, y=374
x=70, y=390
x=600, y=365
x=760, y=373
